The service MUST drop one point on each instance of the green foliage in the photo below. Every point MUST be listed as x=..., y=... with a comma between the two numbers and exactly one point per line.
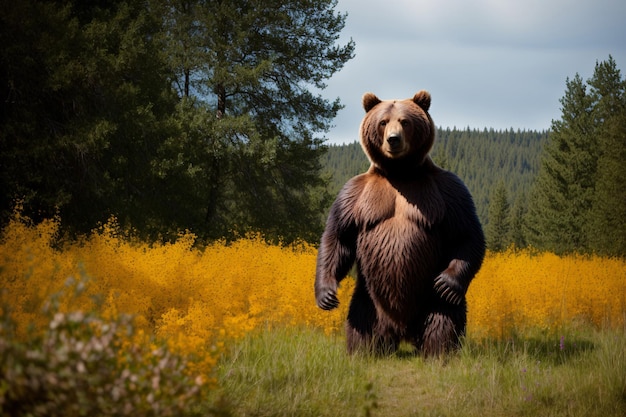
x=563, y=194
x=169, y=115
x=577, y=204
x=517, y=237
x=254, y=65
x=483, y=159
x=607, y=224
x=86, y=113
x=498, y=228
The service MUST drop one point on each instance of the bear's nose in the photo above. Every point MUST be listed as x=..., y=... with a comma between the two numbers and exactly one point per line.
x=394, y=140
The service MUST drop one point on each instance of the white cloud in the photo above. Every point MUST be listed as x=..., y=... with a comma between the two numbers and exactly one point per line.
x=487, y=63
x=488, y=21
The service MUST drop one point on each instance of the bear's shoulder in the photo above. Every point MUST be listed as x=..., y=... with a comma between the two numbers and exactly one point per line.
x=366, y=198
x=453, y=189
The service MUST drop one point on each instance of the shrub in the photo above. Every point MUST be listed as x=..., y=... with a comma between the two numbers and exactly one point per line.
x=82, y=364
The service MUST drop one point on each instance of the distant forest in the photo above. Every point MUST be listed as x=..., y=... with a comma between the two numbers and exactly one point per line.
x=483, y=159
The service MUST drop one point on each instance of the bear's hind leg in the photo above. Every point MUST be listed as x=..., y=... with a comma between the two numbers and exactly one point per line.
x=386, y=340
x=361, y=321
x=360, y=340
x=443, y=328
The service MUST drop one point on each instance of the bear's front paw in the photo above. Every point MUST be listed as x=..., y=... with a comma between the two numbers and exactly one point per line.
x=327, y=299
x=448, y=290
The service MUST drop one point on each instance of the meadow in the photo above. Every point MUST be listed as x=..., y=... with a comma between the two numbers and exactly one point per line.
x=110, y=325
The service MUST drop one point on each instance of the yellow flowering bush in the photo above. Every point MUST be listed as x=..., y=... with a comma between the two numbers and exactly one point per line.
x=518, y=290
x=198, y=299
x=194, y=299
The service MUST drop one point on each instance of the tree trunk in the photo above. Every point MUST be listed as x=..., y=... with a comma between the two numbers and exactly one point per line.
x=187, y=76
x=220, y=91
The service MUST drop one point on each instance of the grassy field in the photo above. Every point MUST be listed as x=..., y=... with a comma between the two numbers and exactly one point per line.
x=302, y=372
x=108, y=325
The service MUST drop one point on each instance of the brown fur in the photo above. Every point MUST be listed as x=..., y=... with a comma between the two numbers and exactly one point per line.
x=411, y=227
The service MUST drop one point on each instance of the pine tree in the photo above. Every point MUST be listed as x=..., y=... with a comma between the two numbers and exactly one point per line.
x=607, y=223
x=579, y=199
x=254, y=65
x=497, y=230
x=562, y=197
x=518, y=214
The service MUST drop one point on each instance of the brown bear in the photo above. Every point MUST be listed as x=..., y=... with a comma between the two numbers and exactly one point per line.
x=412, y=229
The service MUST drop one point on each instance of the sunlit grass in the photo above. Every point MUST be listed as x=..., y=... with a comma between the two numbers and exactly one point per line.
x=301, y=372
x=293, y=371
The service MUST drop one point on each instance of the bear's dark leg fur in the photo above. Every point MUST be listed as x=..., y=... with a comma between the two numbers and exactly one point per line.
x=386, y=341
x=364, y=331
x=443, y=328
x=361, y=319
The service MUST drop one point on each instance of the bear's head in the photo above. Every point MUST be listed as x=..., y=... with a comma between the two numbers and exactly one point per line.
x=397, y=133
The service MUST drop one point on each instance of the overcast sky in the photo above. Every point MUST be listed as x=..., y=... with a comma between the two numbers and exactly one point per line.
x=486, y=63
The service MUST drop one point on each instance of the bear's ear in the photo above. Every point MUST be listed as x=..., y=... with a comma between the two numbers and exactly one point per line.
x=422, y=99
x=369, y=101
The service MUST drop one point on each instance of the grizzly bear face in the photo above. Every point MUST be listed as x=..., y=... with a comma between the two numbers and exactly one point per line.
x=397, y=132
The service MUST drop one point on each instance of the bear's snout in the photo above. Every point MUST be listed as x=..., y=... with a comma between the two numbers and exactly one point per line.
x=395, y=145
x=394, y=140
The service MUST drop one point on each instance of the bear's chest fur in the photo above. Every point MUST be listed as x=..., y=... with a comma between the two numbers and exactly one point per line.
x=399, y=238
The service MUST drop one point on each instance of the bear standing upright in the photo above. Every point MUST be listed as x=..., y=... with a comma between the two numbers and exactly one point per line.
x=412, y=229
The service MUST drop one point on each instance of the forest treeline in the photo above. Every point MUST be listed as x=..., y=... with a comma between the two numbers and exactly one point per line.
x=481, y=158
x=174, y=115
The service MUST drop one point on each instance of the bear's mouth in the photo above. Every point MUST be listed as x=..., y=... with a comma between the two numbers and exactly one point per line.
x=394, y=149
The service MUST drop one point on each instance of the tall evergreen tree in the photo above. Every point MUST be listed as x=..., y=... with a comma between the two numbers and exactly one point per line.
x=254, y=65
x=497, y=230
x=562, y=197
x=517, y=217
x=607, y=223
x=579, y=199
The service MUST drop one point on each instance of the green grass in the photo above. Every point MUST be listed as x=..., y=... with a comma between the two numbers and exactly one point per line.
x=291, y=372
x=302, y=372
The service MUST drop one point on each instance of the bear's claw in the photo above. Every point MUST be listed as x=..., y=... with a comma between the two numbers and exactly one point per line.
x=444, y=290
x=328, y=302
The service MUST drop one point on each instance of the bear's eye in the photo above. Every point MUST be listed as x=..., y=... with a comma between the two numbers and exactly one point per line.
x=383, y=123
x=404, y=123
